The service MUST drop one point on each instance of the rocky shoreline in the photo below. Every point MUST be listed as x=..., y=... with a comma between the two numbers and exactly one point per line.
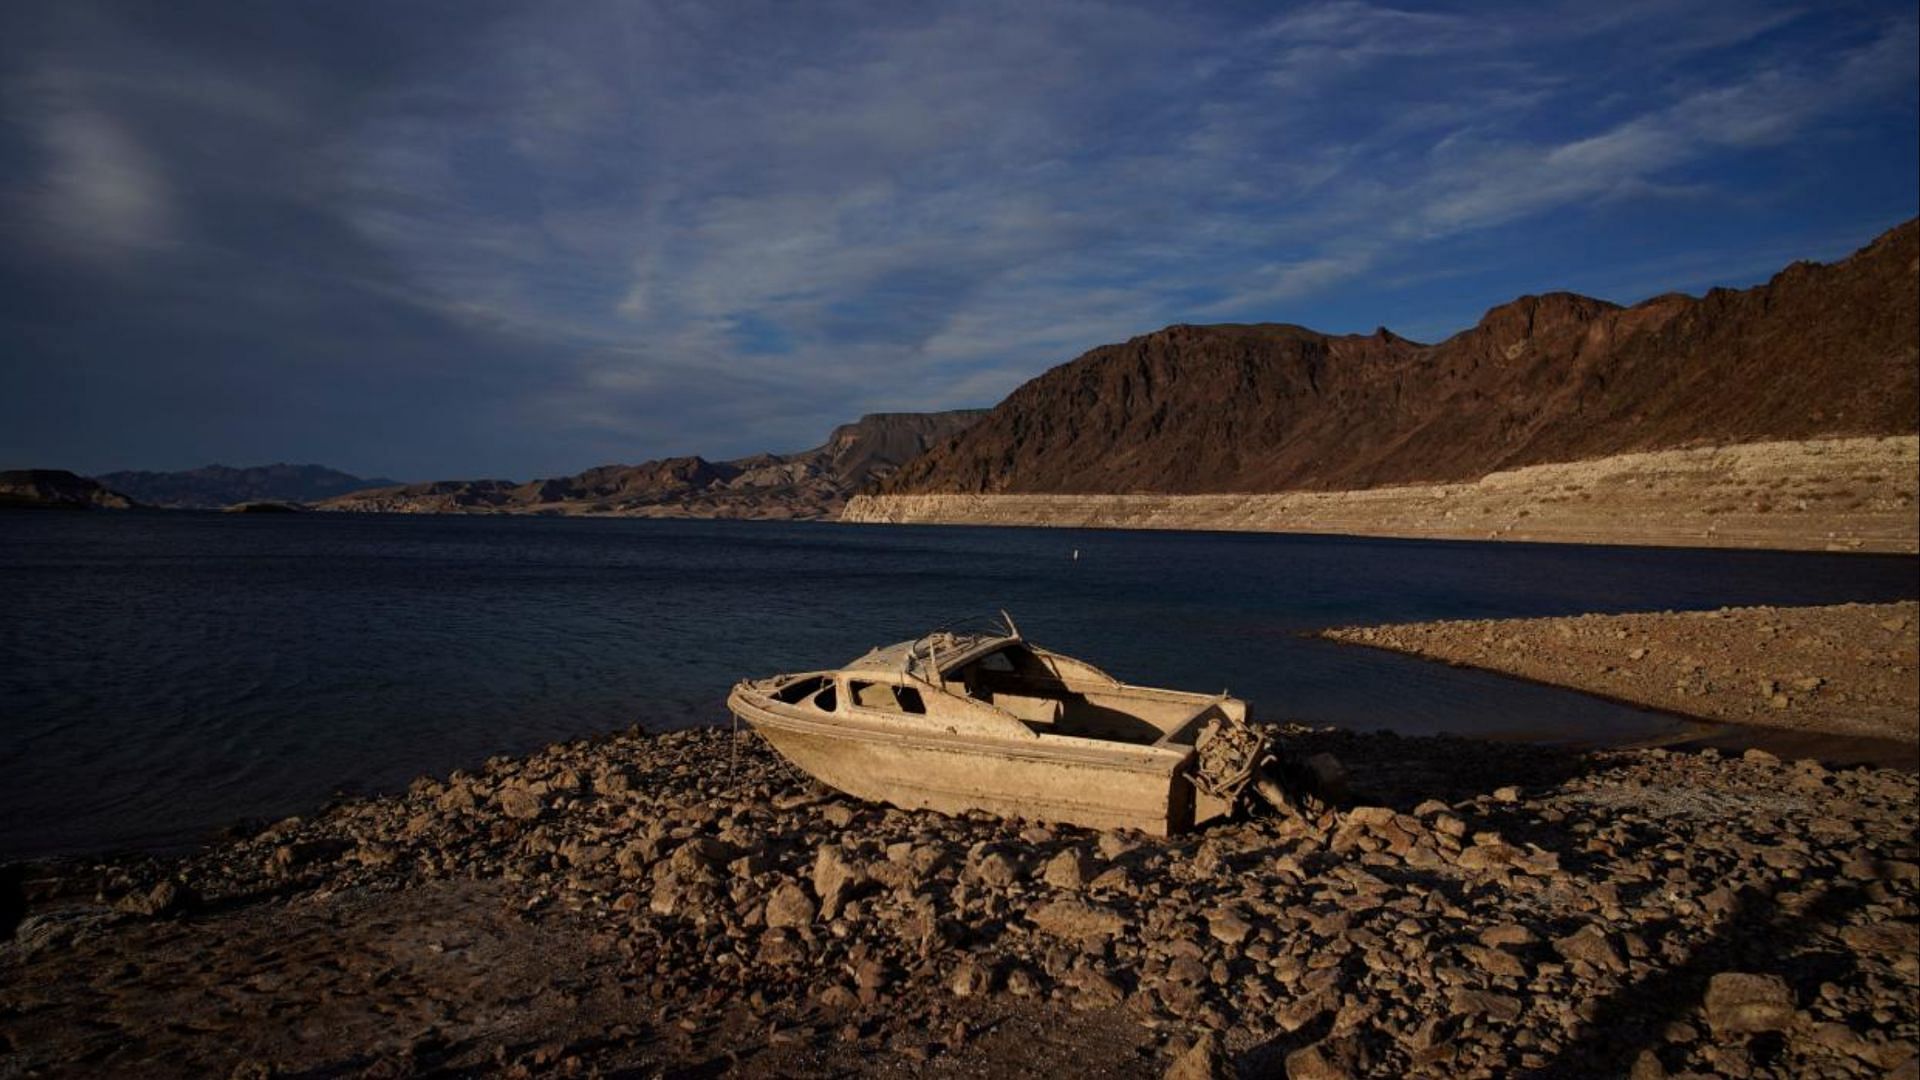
x=687, y=904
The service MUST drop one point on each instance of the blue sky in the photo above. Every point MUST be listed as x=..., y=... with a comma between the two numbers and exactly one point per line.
x=500, y=239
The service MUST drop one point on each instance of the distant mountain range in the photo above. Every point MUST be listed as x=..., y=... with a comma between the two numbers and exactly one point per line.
x=223, y=485
x=1820, y=350
x=811, y=484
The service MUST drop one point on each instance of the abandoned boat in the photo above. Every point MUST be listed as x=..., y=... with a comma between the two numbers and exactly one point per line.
x=988, y=721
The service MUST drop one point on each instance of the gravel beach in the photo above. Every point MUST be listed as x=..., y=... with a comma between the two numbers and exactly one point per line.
x=1843, y=669
x=687, y=904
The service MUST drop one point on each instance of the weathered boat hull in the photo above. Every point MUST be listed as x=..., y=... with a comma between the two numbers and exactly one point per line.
x=1063, y=781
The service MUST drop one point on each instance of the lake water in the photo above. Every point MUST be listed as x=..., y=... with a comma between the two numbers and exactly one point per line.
x=162, y=674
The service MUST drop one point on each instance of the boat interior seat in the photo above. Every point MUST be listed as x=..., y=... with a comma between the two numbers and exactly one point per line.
x=1048, y=705
x=1034, y=711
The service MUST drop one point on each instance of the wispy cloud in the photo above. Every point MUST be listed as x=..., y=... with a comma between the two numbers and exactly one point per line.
x=99, y=195
x=1477, y=177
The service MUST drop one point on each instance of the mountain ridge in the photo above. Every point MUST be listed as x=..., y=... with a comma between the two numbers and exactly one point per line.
x=1819, y=350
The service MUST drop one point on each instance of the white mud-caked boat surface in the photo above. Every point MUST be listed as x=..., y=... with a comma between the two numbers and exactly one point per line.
x=988, y=721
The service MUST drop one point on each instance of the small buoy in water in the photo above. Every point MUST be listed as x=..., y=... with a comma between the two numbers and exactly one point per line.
x=1076, y=554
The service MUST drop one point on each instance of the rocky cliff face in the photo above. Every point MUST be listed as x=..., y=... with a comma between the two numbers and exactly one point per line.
x=811, y=484
x=57, y=489
x=223, y=485
x=1821, y=350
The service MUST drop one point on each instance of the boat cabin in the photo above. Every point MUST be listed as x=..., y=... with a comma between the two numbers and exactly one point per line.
x=1002, y=687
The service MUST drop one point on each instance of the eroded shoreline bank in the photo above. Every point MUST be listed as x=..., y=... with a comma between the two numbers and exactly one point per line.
x=1852, y=494
x=659, y=903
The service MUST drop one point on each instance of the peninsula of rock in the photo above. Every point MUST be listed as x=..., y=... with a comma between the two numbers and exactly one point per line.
x=57, y=489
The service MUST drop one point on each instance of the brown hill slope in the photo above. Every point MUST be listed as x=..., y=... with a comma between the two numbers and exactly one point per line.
x=811, y=484
x=1819, y=350
x=57, y=489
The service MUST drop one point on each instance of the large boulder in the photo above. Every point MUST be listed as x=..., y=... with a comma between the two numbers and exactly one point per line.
x=1742, y=1004
x=788, y=905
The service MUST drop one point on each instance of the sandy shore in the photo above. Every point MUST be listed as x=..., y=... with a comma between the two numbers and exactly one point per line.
x=1813, y=495
x=1847, y=670
x=655, y=905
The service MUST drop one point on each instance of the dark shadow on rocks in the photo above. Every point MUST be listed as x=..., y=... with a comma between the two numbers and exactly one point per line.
x=1758, y=937
x=1270, y=1057
x=1402, y=772
x=719, y=1065
x=13, y=899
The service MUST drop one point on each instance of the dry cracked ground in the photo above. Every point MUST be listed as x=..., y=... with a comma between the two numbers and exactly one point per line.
x=686, y=905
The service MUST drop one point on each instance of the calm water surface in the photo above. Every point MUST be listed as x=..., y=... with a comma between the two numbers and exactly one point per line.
x=164, y=674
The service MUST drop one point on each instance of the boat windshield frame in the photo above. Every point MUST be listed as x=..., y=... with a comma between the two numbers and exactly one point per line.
x=932, y=656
